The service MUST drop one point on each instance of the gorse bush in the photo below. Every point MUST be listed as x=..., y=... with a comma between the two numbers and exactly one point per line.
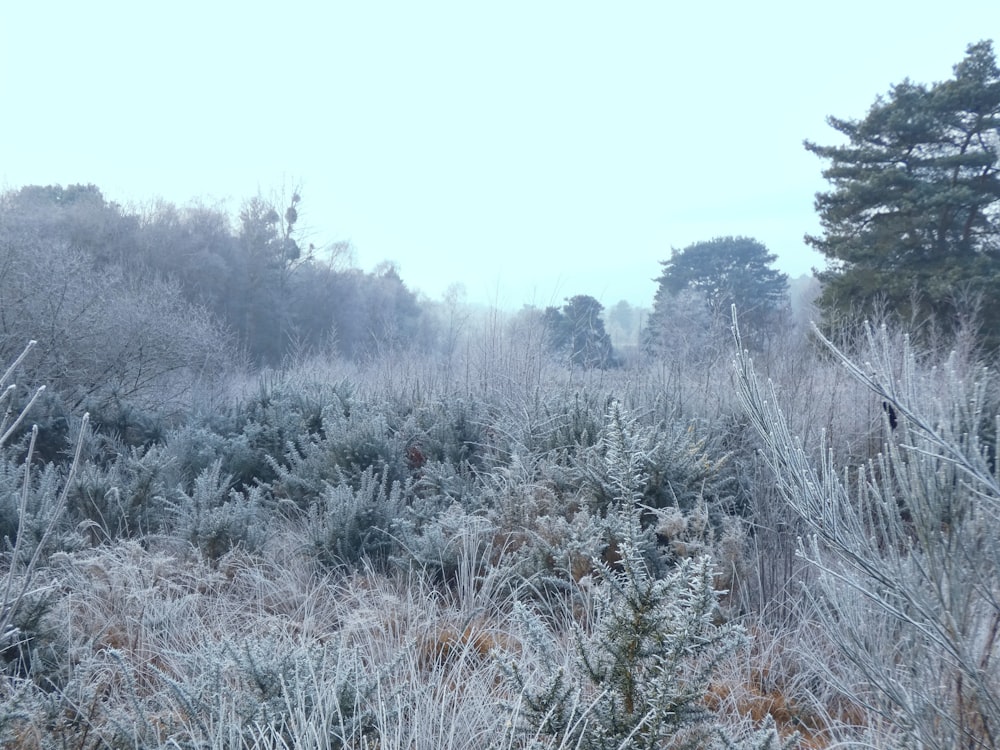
x=665, y=464
x=654, y=635
x=347, y=525
x=215, y=518
x=39, y=510
x=128, y=497
x=642, y=667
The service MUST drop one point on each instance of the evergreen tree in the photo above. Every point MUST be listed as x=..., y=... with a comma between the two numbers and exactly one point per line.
x=578, y=331
x=722, y=272
x=912, y=219
x=268, y=252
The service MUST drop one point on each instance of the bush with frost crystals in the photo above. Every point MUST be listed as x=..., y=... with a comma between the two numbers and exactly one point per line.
x=346, y=525
x=642, y=666
x=443, y=545
x=662, y=465
x=40, y=507
x=907, y=547
x=216, y=518
x=127, y=497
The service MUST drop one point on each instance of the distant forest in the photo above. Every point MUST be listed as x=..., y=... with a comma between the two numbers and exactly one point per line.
x=242, y=287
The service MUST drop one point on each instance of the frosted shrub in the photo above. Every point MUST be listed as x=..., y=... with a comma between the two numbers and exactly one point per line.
x=652, y=637
x=267, y=692
x=216, y=518
x=129, y=497
x=661, y=465
x=40, y=507
x=561, y=422
x=192, y=448
x=560, y=549
x=347, y=525
x=444, y=544
x=641, y=670
x=907, y=547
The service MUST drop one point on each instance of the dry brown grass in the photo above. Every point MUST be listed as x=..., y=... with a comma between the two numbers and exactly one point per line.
x=758, y=700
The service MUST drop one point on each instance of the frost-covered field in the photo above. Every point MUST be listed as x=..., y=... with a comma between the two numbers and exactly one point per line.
x=499, y=552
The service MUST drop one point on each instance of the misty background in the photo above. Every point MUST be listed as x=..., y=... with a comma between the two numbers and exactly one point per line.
x=530, y=152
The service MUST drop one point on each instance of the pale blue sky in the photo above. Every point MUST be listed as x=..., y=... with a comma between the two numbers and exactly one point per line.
x=529, y=150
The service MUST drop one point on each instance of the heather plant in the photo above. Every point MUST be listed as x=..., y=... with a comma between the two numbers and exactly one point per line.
x=905, y=546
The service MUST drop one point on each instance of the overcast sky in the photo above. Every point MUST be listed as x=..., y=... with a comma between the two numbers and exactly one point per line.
x=528, y=150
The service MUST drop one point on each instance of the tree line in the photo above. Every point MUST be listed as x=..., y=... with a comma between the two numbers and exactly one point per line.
x=910, y=228
x=251, y=275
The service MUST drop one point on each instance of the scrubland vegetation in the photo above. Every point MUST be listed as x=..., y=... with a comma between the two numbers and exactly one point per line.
x=500, y=550
x=252, y=497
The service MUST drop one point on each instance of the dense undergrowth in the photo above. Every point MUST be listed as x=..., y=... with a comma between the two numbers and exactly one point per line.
x=390, y=556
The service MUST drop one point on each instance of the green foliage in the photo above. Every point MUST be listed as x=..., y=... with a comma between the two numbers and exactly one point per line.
x=276, y=425
x=641, y=671
x=27, y=503
x=191, y=448
x=911, y=220
x=348, y=525
x=34, y=648
x=564, y=510
x=126, y=423
x=720, y=273
x=560, y=550
x=577, y=332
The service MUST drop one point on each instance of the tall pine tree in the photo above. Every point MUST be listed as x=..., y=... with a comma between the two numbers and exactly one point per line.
x=912, y=218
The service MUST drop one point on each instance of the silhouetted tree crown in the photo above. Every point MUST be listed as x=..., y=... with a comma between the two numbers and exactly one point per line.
x=912, y=218
x=577, y=331
x=720, y=273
